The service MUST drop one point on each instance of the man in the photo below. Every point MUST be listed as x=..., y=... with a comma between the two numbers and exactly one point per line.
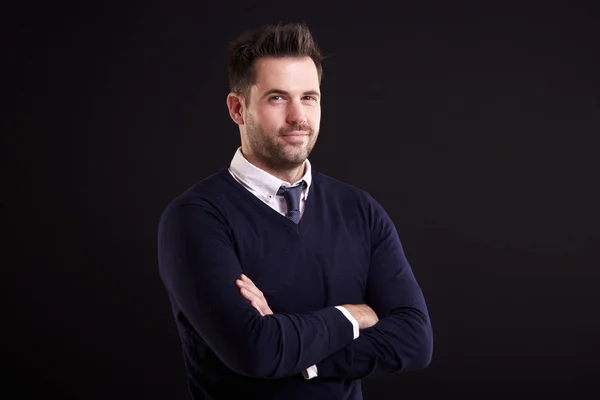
x=284, y=282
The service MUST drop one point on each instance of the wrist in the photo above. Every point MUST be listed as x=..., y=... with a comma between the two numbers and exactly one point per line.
x=353, y=321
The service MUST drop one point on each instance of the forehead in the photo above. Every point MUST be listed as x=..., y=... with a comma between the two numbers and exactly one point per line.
x=286, y=73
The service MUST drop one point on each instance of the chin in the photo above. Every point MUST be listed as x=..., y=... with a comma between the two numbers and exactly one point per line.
x=294, y=159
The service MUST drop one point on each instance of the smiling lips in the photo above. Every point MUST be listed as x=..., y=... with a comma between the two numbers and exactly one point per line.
x=295, y=136
x=296, y=133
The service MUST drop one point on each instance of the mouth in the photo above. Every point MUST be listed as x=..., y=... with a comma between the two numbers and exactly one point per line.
x=296, y=133
x=295, y=137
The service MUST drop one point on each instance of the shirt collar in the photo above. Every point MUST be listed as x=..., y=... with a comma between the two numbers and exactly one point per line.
x=261, y=181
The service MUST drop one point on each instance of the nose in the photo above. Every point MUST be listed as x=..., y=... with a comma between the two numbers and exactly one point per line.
x=296, y=113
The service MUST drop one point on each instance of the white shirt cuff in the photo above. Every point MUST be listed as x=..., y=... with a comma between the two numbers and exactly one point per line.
x=310, y=372
x=351, y=319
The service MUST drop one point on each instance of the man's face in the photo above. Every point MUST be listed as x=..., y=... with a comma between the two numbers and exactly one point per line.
x=281, y=122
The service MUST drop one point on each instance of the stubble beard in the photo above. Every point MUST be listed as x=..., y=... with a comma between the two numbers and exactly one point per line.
x=275, y=154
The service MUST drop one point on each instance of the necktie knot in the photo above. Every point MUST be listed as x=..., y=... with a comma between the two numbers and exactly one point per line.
x=292, y=198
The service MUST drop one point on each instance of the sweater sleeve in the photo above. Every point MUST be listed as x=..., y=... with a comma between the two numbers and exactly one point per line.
x=199, y=266
x=402, y=340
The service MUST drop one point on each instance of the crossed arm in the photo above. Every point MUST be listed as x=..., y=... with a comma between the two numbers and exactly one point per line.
x=254, y=342
x=198, y=266
x=372, y=354
x=362, y=313
x=395, y=330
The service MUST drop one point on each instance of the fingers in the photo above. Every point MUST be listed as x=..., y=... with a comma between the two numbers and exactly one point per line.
x=254, y=301
x=250, y=286
x=251, y=293
x=257, y=301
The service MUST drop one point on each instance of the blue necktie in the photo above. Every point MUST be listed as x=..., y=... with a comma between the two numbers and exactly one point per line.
x=292, y=198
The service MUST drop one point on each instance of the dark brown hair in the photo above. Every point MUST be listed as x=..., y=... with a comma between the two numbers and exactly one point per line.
x=289, y=40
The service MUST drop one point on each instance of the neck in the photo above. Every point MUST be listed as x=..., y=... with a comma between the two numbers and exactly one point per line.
x=290, y=174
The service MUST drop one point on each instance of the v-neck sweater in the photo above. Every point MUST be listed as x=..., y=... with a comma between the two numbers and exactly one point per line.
x=344, y=250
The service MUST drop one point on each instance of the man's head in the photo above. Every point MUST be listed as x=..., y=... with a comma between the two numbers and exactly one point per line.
x=275, y=75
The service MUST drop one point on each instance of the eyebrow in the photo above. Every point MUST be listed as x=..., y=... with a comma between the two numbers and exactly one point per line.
x=279, y=91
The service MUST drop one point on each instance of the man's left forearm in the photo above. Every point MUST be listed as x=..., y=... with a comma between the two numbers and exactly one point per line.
x=402, y=341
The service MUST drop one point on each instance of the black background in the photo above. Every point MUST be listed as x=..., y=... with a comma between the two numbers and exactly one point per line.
x=475, y=126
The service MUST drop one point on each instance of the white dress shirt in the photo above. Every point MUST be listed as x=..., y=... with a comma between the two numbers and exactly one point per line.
x=265, y=186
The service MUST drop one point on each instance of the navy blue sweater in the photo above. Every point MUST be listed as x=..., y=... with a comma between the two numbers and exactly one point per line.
x=345, y=250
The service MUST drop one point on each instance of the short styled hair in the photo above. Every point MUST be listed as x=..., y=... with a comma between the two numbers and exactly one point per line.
x=289, y=40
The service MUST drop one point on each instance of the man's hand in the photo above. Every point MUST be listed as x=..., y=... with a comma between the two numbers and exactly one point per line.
x=251, y=293
x=363, y=314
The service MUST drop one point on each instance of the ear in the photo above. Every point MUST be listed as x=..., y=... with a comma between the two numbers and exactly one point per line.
x=236, y=108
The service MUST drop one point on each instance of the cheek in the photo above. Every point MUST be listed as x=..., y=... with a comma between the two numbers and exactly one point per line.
x=270, y=119
x=315, y=116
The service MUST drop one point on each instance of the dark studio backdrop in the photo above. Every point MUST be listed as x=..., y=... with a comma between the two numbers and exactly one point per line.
x=475, y=126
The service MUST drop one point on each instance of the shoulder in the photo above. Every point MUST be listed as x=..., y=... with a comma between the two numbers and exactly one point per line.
x=350, y=197
x=330, y=184
x=208, y=193
x=336, y=188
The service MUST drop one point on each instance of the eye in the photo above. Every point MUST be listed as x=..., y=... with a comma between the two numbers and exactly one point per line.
x=277, y=98
x=311, y=98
